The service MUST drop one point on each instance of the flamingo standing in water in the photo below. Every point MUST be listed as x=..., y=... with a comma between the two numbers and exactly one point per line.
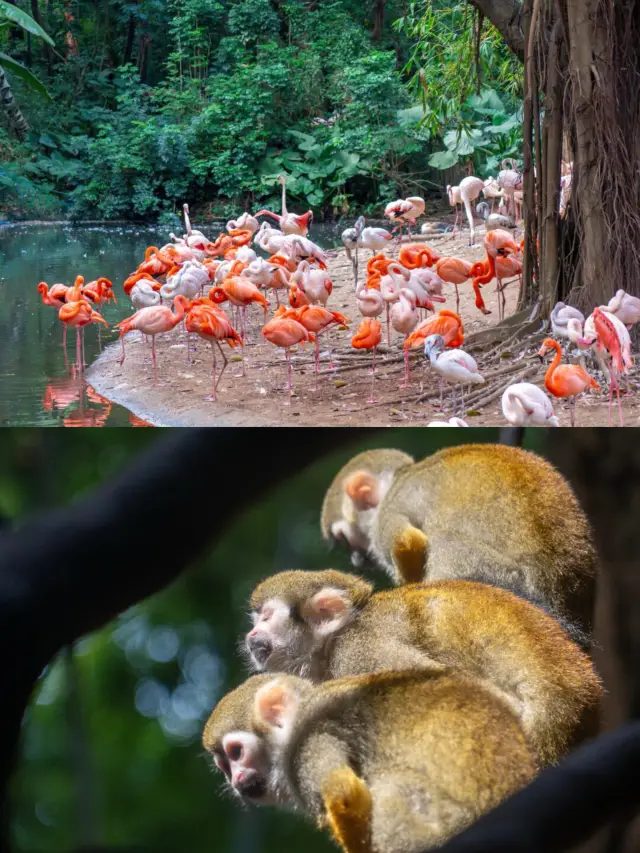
x=368, y=336
x=211, y=324
x=289, y=223
x=79, y=314
x=455, y=366
x=404, y=319
x=54, y=297
x=524, y=404
x=153, y=321
x=565, y=380
x=286, y=332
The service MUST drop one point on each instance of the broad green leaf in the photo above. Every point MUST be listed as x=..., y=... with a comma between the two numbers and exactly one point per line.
x=443, y=159
x=17, y=16
x=23, y=73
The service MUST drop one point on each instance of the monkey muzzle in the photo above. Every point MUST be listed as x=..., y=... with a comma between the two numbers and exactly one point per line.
x=260, y=649
x=251, y=786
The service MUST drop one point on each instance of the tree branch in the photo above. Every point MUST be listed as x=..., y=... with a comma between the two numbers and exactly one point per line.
x=506, y=17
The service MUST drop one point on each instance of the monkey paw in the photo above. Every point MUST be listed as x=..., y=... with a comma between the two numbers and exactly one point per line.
x=348, y=803
x=410, y=554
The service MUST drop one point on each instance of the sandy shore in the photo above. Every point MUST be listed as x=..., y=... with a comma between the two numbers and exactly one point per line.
x=260, y=398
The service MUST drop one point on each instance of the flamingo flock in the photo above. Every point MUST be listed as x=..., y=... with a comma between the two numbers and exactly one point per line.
x=222, y=291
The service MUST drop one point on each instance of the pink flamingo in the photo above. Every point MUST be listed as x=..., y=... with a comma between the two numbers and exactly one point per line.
x=404, y=319
x=286, y=332
x=153, y=321
x=368, y=336
x=289, y=223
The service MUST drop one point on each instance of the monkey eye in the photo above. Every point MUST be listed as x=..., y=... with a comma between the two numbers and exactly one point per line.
x=234, y=752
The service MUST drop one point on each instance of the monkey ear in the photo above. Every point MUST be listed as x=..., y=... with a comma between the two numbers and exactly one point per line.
x=272, y=703
x=362, y=488
x=327, y=610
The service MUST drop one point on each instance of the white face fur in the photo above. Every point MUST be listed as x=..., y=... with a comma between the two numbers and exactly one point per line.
x=355, y=525
x=243, y=760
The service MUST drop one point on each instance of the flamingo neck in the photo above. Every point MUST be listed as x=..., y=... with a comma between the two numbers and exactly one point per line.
x=284, y=197
x=549, y=377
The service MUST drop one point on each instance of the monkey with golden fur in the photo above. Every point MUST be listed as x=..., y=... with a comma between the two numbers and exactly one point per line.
x=327, y=624
x=390, y=763
x=490, y=513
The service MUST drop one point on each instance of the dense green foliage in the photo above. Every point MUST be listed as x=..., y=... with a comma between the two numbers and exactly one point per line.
x=224, y=96
x=111, y=751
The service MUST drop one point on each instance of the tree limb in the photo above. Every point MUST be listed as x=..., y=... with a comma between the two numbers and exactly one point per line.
x=506, y=17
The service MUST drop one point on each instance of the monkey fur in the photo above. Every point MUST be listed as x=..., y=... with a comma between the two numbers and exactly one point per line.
x=491, y=513
x=389, y=763
x=328, y=624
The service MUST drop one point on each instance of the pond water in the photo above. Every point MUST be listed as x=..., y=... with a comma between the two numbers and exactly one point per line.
x=38, y=382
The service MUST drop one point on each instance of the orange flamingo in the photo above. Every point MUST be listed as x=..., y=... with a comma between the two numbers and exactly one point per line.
x=241, y=293
x=54, y=297
x=418, y=255
x=377, y=267
x=446, y=323
x=368, y=336
x=157, y=262
x=456, y=271
x=297, y=297
x=74, y=293
x=565, y=380
x=79, y=314
x=316, y=319
x=506, y=267
x=153, y=321
x=211, y=324
x=286, y=332
x=497, y=242
x=99, y=291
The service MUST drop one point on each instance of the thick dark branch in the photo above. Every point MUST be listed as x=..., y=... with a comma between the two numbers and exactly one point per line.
x=506, y=17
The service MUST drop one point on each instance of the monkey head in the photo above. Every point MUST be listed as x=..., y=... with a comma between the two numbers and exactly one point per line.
x=245, y=731
x=352, y=500
x=296, y=614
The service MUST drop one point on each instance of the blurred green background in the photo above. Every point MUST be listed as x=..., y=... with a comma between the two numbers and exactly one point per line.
x=111, y=754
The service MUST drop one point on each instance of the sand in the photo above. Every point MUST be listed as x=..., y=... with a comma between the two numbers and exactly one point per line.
x=260, y=398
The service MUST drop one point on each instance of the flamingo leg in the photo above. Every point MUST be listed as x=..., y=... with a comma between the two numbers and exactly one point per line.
x=317, y=360
x=123, y=353
x=84, y=363
x=372, y=399
x=355, y=267
x=78, y=350
x=212, y=398
x=64, y=335
x=225, y=360
x=572, y=415
x=406, y=367
x=153, y=355
x=453, y=400
x=289, y=376
x=388, y=327
x=457, y=299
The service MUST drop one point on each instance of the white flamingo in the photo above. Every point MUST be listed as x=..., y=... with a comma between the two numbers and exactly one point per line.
x=524, y=404
x=189, y=281
x=560, y=317
x=424, y=283
x=404, y=319
x=470, y=189
x=493, y=221
x=453, y=366
x=290, y=223
x=302, y=249
x=143, y=295
x=453, y=194
x=510, y=179
x=491, y=191
x=269, y=239
x=314, y=283
x=390, y=286
x=375, y=239
x=370, y=302
x=405, y=212
x=246, y=222
x=245, y=254
x=452, y=422
x=625, y=307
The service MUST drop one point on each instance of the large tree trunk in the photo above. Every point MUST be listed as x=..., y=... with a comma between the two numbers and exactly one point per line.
x=17, y=121
x=585, y=56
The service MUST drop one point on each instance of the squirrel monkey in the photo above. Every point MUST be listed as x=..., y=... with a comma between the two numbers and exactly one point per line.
x=484, y=512
x=329, y=624
x=389, y=763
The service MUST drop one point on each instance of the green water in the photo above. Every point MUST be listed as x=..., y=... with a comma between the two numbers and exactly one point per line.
x=38, y=382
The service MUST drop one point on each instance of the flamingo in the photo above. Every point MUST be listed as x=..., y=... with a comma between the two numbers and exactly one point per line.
x=496, y=243
x=99, y=291
x=211, y=324
x=246, y=222
x=470, y=189
x=290, y=223
x=301, y=249
x=524, y=404
x=269, y=239
x=315, y=319
x=417, y=256
x=510, y=179
x=55, y=298
x=506, y=267
x=456, y=271
x=370, y=302
x=565, y=380
x=404, y=319
x=455, y=366
x=427, y=286
x=79, y=314
x=491, y=190
x=189, y=280
x=351, y=241
x=240, y=292
x=405, y=212
x=560, y=316
x=493, y=220
x=446, y=323
x=315, y=283
x=144, y=295
x=157, y=261
x=625, y=307
x=297, y=297
x=245, y=254
x=390, y=286
x=368, y=336
x=375, y=239
x=377, y=267
x=153, y=321
x=286, y=332
x=612, y=335
x=592, y=341
x=453, y=194
x=452, y=422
